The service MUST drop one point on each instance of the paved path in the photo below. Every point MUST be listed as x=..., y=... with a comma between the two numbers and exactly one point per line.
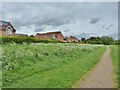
x=102, y=75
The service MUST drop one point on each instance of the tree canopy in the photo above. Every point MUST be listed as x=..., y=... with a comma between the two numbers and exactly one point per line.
x=106, y=40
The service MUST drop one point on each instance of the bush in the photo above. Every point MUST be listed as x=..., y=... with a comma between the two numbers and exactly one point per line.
x=22, y=39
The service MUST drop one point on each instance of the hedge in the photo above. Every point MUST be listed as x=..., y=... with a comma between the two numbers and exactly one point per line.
x=23, y=39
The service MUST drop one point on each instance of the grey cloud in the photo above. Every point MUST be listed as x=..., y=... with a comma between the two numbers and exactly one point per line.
x=54, y=14
x=38, y=29
x=111, y=25
x=66, y=30
x=103, y=26
x=30, y=26
x=94, y=20
x=107, y=28
x=84, y=35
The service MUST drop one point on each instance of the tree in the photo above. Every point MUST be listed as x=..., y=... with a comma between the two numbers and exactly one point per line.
x=83, y=40
x=107, y=40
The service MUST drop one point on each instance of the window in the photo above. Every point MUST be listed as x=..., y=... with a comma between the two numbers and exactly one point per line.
x=8, y=31
x=53, y=36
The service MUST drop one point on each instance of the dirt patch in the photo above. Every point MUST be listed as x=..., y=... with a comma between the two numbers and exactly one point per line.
x=102, y=75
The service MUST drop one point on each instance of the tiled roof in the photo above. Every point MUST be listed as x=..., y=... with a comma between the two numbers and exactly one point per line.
x=55, y=32
x=3, y=23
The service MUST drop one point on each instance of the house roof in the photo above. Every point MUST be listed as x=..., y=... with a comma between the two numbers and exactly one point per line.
x=5, y=24
x=55, y=32
x=72, y=37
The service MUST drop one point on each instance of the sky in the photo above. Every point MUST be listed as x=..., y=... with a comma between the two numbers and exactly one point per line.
x=80, y=19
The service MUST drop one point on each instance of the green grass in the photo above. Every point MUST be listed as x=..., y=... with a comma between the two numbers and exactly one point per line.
x=0, y=66
x=47, y=65
x=114, y=55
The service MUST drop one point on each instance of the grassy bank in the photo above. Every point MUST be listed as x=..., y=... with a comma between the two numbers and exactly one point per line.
x=0, y=66
x=47, y=65
x=114, y=55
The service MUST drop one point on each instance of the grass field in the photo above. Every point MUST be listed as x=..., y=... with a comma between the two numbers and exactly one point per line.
x=0, y=66
x=114, y=55
x=47, y=65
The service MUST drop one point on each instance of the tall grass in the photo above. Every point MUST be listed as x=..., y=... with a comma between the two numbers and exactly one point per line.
x=47, y=65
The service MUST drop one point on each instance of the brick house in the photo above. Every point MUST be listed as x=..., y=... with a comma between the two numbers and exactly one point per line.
x=6, y=29
x=54, y=35
x=72, y=39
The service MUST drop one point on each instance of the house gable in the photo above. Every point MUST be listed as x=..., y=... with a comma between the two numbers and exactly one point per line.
x=6, y=28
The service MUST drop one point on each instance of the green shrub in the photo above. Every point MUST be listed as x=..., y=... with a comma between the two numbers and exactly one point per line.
x=22, y=39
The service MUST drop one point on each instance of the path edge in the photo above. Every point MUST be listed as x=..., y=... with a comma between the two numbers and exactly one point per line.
x=77, y=84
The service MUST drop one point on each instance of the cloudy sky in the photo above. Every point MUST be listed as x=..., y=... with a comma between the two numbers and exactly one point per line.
x=81, y=19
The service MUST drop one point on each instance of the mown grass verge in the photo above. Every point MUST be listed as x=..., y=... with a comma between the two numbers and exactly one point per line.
x=47, y=65
x=0, y=66
x=114, y=55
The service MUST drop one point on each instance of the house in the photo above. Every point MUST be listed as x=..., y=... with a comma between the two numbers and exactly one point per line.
x=72, y=39
x=6, y=29
x=54, y=35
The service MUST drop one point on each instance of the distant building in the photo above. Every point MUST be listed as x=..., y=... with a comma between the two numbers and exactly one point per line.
x=72, y=39
x=31, y=35
x=21, y=34
x=6, y=29
x=54, y=35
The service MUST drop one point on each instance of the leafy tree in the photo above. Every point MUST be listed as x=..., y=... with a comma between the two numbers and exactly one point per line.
x=107, y=40
x=83, y=40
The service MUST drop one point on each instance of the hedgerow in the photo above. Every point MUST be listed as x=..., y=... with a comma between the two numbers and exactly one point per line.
x=23, y=39
x=47, y=65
